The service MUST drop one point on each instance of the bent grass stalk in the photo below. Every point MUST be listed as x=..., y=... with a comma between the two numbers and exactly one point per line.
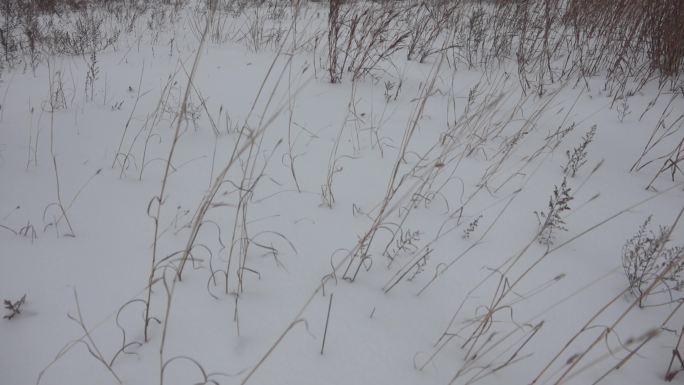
x=176, y=135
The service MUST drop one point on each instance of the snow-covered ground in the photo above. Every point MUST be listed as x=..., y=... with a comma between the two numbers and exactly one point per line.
x=382, y=230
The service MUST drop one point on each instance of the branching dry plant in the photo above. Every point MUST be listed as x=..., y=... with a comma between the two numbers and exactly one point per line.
x=644, y=255
x=551, y=221
x=13, y=307
x=578, y=156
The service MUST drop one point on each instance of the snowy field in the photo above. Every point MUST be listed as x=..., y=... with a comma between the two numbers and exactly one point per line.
x=386, y=193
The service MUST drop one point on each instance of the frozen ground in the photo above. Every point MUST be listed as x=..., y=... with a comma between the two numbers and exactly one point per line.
x=454, y=286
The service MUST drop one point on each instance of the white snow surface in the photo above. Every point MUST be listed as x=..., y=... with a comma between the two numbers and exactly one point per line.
x=374, y=335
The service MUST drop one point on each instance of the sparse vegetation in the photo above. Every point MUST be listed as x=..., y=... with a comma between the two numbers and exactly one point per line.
x=645, y=254
x=578, y=156
x=13, y=307
x=207, y=154
x=552, y=220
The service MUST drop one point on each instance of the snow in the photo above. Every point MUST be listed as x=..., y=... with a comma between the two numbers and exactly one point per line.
x=373, y=335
